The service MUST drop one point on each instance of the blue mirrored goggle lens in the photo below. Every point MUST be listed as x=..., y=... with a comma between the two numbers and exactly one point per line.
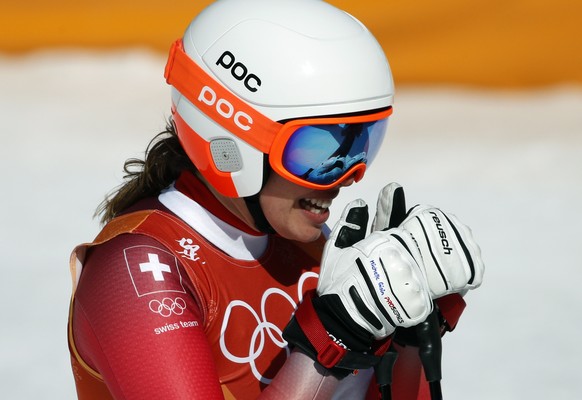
x=322, y=154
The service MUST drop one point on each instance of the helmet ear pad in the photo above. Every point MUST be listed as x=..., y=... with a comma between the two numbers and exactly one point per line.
x=225, y=154
x=233, y=167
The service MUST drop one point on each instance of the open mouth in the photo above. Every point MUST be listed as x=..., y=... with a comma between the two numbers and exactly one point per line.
x=316, y=206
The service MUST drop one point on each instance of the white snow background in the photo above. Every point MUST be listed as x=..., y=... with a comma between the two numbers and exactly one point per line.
x=507, y=163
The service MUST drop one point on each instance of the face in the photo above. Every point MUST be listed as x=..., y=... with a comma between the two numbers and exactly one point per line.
x=296, y=212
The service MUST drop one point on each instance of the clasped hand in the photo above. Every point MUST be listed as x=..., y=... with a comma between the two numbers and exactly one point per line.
x=390, y=278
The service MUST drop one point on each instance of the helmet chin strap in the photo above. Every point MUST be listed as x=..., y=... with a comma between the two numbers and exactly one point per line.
x=258, y=215
x=254, y=205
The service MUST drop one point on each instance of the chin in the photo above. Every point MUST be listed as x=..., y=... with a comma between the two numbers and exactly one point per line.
x=306, y=236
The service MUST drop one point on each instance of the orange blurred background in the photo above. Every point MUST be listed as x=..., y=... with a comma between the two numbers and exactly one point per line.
x=493, y=43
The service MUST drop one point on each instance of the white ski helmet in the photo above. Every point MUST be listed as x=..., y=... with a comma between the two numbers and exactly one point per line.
x=245, y=67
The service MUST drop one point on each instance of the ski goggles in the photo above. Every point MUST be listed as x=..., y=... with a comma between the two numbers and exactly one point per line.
x=321, y=153
x=317, y=153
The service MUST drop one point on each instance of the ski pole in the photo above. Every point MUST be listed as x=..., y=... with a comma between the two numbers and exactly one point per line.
x=383, y=371
x=427, y=337
x=430, y=347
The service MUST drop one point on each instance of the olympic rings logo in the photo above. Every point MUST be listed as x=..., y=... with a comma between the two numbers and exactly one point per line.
x=263, y=330
x=168, y=306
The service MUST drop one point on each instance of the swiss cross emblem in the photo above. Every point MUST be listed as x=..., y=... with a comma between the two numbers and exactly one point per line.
x=153, y=270
x=155, y=267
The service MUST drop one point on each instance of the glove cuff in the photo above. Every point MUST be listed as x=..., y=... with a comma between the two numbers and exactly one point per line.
x=307, y=332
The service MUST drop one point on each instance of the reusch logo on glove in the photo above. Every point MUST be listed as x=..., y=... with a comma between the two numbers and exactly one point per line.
x=442, y=233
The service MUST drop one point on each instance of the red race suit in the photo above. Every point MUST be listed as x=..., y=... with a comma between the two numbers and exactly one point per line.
x=176, y=299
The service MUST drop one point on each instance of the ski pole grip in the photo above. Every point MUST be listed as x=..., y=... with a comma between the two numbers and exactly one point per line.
x=385, y=367
x=383, y=372
x=430, y=347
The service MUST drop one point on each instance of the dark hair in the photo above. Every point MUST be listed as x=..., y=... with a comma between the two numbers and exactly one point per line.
x=164, y=160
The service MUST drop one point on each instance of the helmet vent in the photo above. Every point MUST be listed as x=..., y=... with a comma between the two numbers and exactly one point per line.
x=226, y=155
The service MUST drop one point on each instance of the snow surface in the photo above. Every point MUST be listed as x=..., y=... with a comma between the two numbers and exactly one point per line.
x=508, y=163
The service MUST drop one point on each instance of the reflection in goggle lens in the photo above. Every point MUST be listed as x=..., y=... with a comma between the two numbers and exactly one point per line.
x=322, y=154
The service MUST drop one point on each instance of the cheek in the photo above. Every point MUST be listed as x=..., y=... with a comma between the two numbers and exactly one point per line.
x=290, y=222
x=279, y=196
x=280, y=201
x=277, y=210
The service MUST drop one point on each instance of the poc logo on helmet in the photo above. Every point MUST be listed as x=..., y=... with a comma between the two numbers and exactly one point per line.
x=239, y=71
x=225, y=108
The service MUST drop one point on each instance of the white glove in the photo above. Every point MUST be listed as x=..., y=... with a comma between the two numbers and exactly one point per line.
x=451, y=257
x=379, y=280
